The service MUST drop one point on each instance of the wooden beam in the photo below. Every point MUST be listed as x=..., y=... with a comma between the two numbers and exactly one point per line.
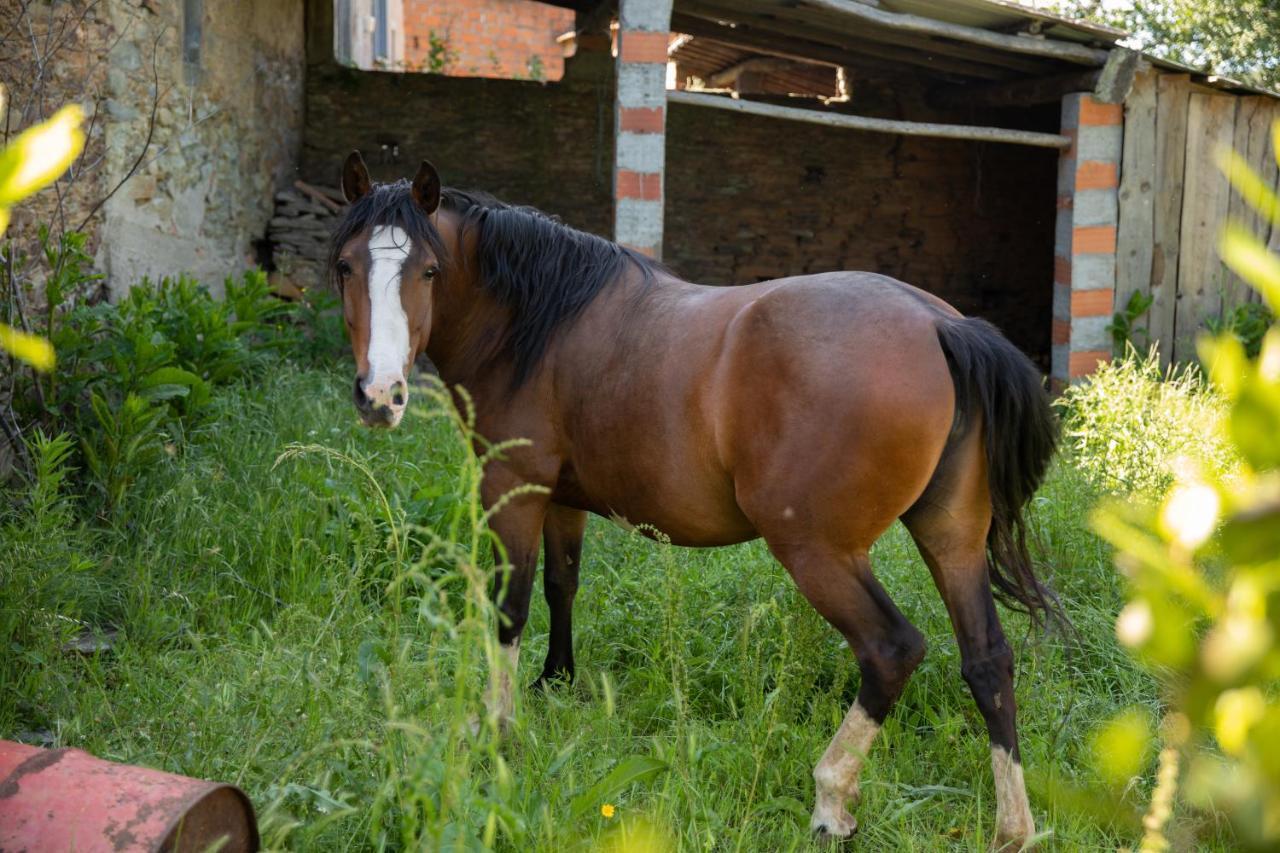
x=877, y=125
x=1115, y=81
x=1173, y=97
x=1206, y=199
x=1136, y=240
x=1064, y=50
x=1021, y=93
x=760, y=64
x=1110, y=84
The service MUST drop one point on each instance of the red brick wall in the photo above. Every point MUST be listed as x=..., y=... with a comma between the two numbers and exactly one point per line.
x=487, y=38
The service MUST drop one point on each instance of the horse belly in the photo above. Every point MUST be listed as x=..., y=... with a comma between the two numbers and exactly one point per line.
x=690, y=510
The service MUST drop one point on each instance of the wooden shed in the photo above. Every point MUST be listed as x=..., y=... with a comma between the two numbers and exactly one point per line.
x=1028, y=168
x=1139, y=200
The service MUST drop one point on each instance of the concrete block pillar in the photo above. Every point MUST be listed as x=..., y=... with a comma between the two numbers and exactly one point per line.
x=1084, y=280
x=641, y=121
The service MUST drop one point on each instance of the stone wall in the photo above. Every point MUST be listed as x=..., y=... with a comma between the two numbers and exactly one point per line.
x=67, y=65
x=226, y=134
x=190, y=191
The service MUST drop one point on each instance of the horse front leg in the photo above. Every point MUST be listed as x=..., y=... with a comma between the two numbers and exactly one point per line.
x=519, y=528
x=562, y=552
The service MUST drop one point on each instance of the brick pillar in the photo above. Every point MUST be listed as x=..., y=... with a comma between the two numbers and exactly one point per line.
x=1084, y=280
x=640, y=148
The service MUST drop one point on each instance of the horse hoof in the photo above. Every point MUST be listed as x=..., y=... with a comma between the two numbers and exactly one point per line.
x=1012, y=844
x=831, y=832
x=476, y=724
x=823, y=836
x=552, y=681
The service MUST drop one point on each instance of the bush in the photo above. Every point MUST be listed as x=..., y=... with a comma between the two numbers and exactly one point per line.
x=134, y=377
x=1128, y=425
x=1202, y=563
x=1247, y=323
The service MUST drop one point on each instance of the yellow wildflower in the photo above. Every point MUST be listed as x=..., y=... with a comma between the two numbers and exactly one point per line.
x=607, y=810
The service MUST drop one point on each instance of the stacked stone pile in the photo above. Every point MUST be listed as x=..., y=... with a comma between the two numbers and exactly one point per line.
x=304, y=219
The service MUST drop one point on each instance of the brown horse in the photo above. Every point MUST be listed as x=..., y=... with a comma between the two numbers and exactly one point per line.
x=812, y=411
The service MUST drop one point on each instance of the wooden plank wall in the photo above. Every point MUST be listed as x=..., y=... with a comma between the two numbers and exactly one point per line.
x=1206, y=197
x=1174, y=201
x=1254, y=116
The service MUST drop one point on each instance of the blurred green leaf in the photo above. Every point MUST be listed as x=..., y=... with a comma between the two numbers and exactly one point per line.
x=1122, y=748
x=1248, y=257
x=1255, y=423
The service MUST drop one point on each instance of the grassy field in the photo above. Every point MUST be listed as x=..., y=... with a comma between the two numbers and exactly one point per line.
x=296, y=629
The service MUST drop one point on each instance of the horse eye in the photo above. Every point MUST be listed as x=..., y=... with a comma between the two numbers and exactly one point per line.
x=431, y=272
x=344, y=268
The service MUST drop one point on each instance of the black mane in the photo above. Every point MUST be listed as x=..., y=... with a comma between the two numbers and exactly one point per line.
x=545, y=272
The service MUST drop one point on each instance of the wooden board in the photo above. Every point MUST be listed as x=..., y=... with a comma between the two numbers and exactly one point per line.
x=1206, y=200
x=869, y=123
x=1173, y=93
x=1253, y=143
x=1135, y=241
x=1262, y=155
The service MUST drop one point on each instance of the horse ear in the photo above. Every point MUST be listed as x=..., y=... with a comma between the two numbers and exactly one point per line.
x=355, y=178
x=426, y=188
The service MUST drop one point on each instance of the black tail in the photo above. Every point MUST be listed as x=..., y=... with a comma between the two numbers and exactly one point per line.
x=994, y=380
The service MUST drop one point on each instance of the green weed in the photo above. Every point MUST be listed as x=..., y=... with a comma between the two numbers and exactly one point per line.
x=316, y=629
x=300, y=606
x=1128, y=424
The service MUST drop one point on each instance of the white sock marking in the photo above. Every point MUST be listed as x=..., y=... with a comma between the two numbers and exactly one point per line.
x=836, y=775
x=502, y=698
x=1013, y=813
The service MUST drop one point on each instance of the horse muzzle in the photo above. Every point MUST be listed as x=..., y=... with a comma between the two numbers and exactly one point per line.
x=381, y=403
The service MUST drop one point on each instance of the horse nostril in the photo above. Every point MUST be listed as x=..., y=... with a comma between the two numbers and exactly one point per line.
x=357, y=394
x=397, y=395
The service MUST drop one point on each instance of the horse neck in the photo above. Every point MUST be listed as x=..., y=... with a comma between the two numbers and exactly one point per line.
x=467, y=324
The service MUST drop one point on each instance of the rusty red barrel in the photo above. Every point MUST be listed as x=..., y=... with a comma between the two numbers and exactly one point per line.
x=65, y=799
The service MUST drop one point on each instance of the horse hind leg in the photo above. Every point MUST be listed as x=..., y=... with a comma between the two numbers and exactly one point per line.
x=950, y=527
x=887, y=647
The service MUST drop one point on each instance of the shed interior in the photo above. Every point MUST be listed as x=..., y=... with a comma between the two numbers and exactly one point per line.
x=749, y=198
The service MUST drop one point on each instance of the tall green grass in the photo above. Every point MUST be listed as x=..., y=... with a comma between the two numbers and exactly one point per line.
x=1133, y=423
x=300, y=606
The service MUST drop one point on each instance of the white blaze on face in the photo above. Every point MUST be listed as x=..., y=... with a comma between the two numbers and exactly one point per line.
x=388, y=325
